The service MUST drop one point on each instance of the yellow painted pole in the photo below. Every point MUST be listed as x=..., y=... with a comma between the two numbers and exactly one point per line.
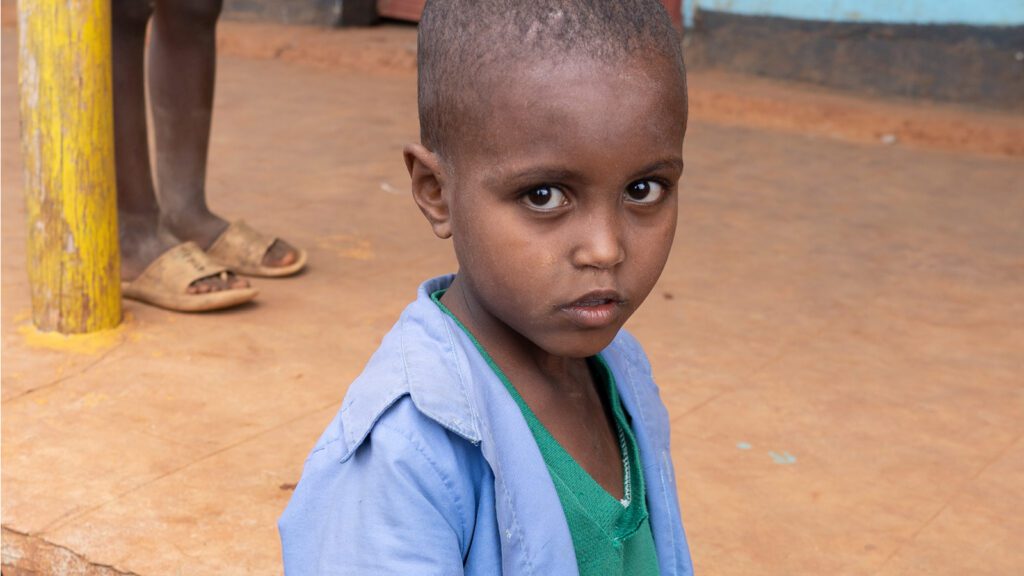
x=67, y=134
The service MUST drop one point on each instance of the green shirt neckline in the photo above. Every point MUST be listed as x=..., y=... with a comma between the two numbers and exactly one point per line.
x=608, y=534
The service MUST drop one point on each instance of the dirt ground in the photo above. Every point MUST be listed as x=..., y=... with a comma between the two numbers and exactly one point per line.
x=838, y=336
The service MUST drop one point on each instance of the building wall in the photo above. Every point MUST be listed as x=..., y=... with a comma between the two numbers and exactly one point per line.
x=948, y=50
x=966, y=12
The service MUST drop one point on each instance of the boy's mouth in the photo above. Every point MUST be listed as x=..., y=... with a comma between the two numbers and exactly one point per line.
x=595, y=309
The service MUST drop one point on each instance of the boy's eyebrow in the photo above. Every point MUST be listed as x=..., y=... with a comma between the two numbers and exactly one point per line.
x=535, y=175
x=674, y=163
x=552, y=174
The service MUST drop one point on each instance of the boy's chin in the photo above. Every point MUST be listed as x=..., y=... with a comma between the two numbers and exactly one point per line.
x=582, y=344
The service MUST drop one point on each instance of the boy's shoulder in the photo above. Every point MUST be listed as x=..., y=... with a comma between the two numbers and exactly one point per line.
x=402, y=499
x=417, y=361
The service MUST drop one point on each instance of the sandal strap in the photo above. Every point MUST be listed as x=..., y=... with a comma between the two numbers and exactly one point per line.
x=179, y=267
x=241, y=245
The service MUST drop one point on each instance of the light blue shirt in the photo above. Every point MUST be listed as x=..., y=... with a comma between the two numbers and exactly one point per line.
x=429, y=466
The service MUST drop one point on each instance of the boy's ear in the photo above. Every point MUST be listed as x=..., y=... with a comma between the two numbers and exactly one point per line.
x=427, y=187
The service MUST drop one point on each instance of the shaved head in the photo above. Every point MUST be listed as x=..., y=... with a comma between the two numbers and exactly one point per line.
x=465, y=44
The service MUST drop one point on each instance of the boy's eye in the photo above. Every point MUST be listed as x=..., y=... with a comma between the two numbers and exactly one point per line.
x=644, y=192
x=545, y=198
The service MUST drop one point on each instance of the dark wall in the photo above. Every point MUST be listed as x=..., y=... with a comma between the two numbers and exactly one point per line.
x=314, y=12
x=967, y=64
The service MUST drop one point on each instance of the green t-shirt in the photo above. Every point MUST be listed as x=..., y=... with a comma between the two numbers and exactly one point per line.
x=610, y=536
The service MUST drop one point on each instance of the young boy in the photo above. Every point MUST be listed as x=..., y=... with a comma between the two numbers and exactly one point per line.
x=507, y=425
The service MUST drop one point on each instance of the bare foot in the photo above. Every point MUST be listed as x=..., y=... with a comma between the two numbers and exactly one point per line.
x=280, y=254
x=224, y=281
x=141, y=245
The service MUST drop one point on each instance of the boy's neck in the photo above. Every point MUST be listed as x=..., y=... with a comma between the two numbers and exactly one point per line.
x=525, y=363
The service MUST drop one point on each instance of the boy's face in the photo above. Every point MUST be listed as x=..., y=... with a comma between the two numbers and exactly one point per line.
x=562, y=202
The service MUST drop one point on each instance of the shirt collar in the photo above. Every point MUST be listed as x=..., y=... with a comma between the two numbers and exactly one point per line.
x=420, y=357
x=438, y=386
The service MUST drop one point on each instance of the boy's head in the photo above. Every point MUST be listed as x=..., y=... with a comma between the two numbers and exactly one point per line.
x=467, y=45
x=552, y=139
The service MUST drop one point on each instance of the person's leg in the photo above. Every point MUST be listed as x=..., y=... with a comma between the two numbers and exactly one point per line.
x=182, y=68
x=138, y=210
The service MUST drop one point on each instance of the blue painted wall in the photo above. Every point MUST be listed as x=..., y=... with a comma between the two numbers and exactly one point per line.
x=971, y=12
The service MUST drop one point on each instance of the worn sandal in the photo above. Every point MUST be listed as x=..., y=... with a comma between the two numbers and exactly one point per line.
x=165, y=282
x=241, y=249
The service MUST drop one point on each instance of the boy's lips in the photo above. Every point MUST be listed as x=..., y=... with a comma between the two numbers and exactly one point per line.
x=595, y=309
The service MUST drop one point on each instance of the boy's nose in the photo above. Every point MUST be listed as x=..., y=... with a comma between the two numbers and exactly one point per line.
x=600, y=244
